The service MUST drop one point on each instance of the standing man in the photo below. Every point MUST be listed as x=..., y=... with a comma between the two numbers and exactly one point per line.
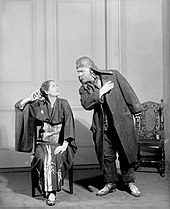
x=114, y=102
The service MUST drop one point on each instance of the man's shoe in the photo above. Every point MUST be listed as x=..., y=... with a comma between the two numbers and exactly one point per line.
x=110, y=187
x=134, y=190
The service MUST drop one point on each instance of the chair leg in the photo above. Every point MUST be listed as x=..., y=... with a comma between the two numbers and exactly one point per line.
x=70, y=176
x=32, y=183
x=138, y=158
x=138, y=153
x=162, y=164
x=162, y=168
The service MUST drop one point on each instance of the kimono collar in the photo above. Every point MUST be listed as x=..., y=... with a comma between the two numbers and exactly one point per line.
x=47, y=112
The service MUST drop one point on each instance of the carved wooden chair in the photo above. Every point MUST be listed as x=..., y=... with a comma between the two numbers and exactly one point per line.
x=34, y=172
x=150, y=135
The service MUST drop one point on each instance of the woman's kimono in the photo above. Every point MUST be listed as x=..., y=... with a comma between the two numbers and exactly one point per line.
x=56, y=126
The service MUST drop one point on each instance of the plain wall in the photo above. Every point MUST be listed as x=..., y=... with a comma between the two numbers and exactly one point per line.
x=129, y=35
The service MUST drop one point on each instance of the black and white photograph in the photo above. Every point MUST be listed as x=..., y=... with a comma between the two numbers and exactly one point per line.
x=85, y=104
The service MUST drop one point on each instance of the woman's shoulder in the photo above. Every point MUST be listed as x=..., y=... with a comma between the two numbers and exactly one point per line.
x=63, y=101
x=37, y=102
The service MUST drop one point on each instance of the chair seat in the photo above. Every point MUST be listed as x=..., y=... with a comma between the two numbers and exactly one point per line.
x=151, y=142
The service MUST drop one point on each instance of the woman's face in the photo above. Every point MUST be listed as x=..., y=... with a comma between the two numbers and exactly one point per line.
x=53, y=89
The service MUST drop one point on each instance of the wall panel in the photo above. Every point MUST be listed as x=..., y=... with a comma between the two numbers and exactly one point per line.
x=141, y=47
x=16, y=36
x=41, y=40
x=22, y=66
x=113, y=44
x=75, y=29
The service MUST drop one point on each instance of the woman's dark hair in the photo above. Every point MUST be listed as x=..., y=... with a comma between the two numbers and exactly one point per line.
x=44, y=88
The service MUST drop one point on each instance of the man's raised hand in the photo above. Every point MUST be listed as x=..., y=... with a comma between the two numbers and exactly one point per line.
x=106, y=88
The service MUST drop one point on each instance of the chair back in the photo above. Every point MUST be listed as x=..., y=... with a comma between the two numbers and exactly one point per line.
x=150, y=124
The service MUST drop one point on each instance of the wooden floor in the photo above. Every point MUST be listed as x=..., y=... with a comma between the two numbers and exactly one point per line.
x=15, y=191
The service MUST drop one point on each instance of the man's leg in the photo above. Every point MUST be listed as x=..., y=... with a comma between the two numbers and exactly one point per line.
x=110, y=170
x=128, y=174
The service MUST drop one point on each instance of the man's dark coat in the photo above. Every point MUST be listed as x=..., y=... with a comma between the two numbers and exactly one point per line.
x=123, y=103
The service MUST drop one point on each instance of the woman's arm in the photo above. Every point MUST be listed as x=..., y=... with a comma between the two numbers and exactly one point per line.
x=35, y=95
x=69, y=127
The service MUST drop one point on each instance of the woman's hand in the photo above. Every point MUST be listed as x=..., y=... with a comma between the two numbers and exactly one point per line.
x=35, y=95
x=47, y=134
x=61, y=149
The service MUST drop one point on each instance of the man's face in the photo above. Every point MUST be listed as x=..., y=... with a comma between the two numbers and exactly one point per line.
x=84, y=75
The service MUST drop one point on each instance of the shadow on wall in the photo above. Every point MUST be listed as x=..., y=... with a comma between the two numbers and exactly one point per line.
x=83, y=133
x=86, y=152
x=168, y=174
x=167, y=148
x=0, y=138
x=3, y=138
x=167, y=158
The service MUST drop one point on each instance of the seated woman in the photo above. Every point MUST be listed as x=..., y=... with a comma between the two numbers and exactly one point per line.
x=55, y=147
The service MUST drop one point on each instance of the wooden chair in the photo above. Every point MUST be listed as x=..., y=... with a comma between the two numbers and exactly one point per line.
x=150, y=135
x=33, y=171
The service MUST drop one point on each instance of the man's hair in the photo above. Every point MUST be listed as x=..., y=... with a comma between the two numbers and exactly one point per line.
x=85, y=62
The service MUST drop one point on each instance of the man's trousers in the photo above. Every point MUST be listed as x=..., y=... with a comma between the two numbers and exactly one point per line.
x=111, y=146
